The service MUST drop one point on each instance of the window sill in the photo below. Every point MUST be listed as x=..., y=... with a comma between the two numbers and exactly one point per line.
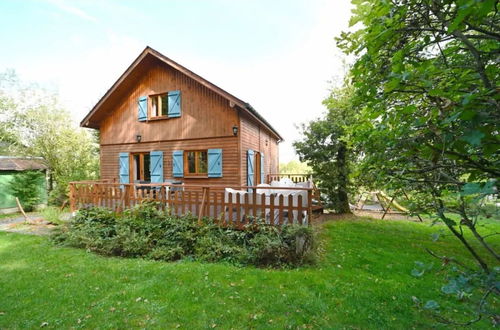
x=196, y=177
x=158, y=118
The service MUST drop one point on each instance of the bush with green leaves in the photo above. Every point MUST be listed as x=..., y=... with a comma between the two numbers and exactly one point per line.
x=52, y=214
x=26, y=186
x=145, y=231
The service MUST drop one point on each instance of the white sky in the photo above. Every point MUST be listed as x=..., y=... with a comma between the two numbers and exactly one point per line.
x=281, y=60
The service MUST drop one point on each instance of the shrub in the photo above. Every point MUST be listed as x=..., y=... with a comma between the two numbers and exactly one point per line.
x=59, y=194
x=145, y=231
x=52, y=214
x=26, y=186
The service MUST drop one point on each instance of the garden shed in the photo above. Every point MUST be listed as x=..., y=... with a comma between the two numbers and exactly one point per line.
x=11, y=166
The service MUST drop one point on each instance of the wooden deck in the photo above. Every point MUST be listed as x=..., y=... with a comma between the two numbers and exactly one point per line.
x=238, y=207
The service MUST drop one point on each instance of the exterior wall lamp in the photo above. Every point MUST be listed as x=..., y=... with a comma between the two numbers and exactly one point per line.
x=235, y=130
x=138, y=138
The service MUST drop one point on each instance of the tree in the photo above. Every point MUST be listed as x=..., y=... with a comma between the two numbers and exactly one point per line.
x=325, y=147
x=294, y=167
x=71, y=153
x=26, y=186
x=35, y=125
x=426, y=83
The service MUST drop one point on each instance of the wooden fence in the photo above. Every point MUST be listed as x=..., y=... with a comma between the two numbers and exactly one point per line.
x=276, y=205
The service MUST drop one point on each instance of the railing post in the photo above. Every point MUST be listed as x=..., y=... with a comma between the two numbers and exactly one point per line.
x=72, y=197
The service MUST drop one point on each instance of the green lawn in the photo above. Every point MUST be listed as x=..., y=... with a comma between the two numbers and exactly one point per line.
x=4, y=216
x=362, y=281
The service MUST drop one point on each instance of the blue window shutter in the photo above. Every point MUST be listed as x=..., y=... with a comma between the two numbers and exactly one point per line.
x=262, y=169
x=174, y=104
x=156, y=166
x=250, y=167
x=124, y=167
x=215, y=163
x=142, y=105
x=178, y=163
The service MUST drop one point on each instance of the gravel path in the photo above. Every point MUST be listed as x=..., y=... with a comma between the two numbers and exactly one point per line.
x=18, y=219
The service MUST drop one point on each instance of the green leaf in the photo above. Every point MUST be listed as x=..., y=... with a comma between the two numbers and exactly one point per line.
x=409, y=109
x=462, y=13
x=473, y=188
x=392, y=85
x=468, y=114
x=450, y=288
x=435, y=92
x=473, y=137
x=452, y=118
x=486, y=7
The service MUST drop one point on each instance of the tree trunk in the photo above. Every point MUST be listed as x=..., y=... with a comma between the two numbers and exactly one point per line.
x=51, y=181
x=343, y=197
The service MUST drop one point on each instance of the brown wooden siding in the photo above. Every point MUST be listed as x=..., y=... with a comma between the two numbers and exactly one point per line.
x=204, y=113
x=230, y=158
x=255, y=137
x=206, y=121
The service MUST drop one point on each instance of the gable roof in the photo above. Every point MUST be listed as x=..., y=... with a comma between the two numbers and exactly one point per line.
x=11, y=163
x=95, y=115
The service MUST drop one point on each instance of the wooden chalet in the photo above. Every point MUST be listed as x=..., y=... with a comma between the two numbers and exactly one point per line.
x=169, y=135
x=162, y=122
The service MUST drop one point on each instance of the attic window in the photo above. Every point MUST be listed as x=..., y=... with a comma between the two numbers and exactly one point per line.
x=159, y=105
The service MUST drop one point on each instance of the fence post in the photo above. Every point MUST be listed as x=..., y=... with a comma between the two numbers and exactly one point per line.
x=309, y=206
x=202, y=205
x=126, y=199
x=254, y=203
x=207, y=212
x=72, y=197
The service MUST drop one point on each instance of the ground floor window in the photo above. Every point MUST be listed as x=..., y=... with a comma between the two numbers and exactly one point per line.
x=196, y=162
x=139, y=167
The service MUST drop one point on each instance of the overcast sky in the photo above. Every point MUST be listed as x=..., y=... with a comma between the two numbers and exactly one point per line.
x=280, y=56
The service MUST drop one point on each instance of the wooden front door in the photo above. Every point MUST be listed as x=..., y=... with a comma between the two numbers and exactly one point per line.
x=139, y=167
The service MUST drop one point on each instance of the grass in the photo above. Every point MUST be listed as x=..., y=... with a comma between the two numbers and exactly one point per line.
x=362, y=281
x=4, y=216
x=52, y=214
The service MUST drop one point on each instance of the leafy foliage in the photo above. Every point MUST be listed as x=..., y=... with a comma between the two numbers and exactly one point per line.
x=145, y=231
x=294, y=167
x=426, y=84
x=33, y=123
x=26, y=186
x=325, y=147
x=52, y=214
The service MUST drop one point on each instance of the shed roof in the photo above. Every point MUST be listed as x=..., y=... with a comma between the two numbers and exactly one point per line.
x=11, y=163
x=93, y=118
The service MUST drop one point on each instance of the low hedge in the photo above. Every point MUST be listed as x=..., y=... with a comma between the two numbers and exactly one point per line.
x=145, y=231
